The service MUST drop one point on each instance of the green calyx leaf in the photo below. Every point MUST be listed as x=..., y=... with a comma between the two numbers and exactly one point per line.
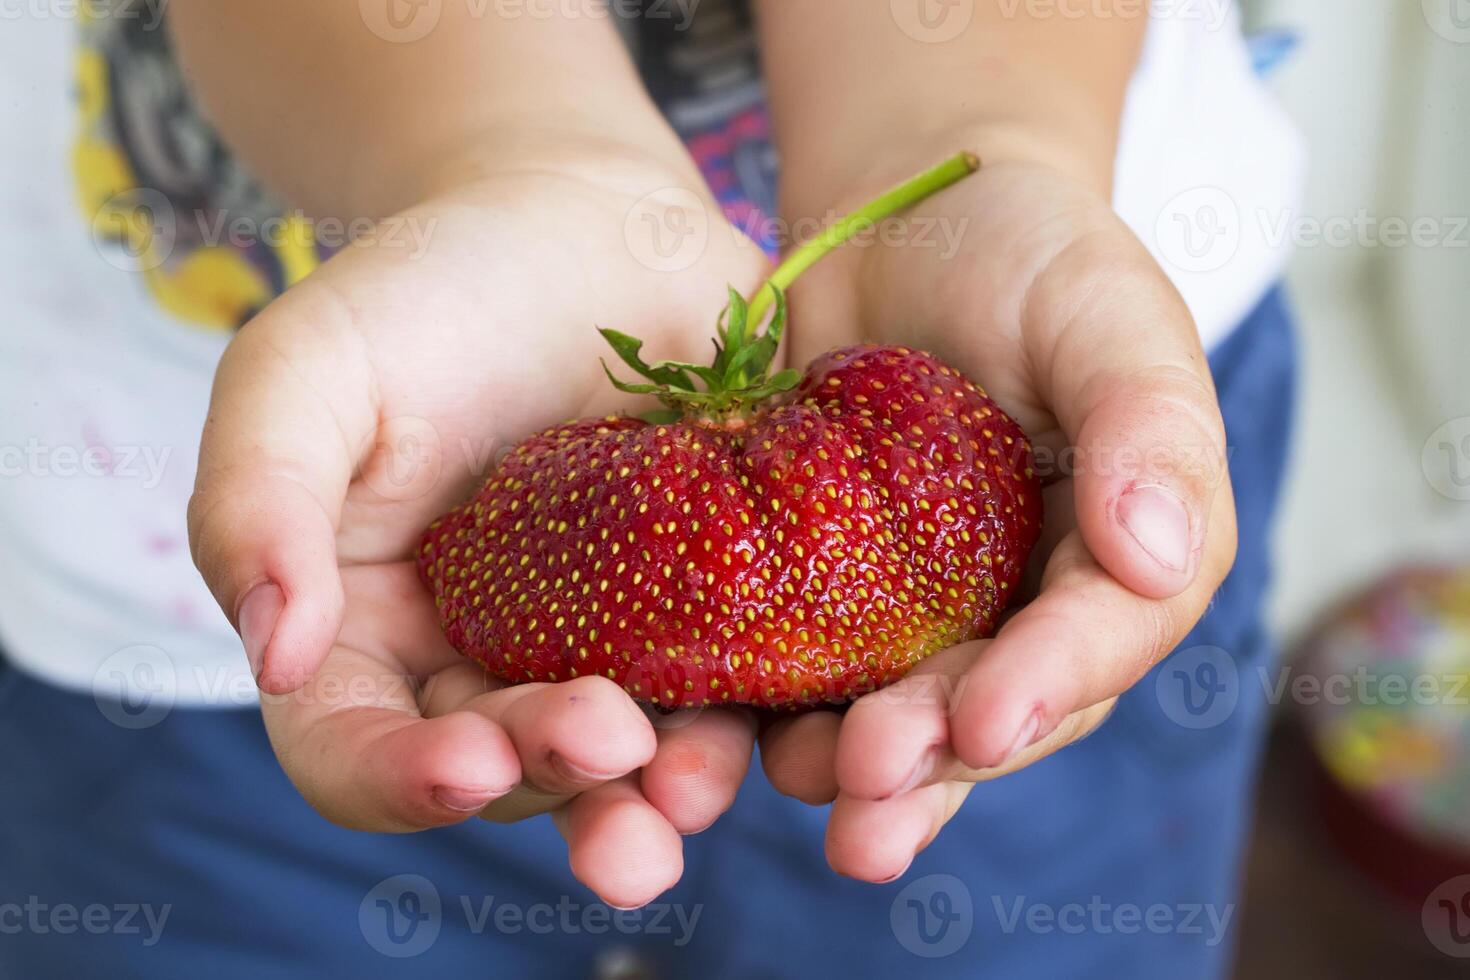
x=736, y=382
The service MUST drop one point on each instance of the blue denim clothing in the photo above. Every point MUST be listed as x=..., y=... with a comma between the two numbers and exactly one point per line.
x=1115, y=858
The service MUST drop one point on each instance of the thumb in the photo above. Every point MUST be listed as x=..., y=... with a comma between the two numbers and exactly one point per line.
x=1131, y=388
x=274, y=465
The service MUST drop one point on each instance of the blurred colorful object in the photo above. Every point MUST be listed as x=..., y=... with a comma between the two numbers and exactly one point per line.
x=1383, y=689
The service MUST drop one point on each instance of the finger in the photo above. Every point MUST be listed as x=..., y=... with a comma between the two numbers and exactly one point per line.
x=1129, y=384
x=620, y=846
x=571, y=736
x=876, y=840
x=896, y=739
x=699, y=766
x=462, y=686
x=1084, y=640
x=352, y=742
x=290, y=406
x=799, y=753
x=455, y=686
x=452, y=689
x=1073, y=728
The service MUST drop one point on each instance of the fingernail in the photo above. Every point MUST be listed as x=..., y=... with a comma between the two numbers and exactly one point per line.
x=463, y=800
x=257, y=617
x=1026, y=737
x=696, y=833
x=571, y=771
x=891, y=878
x=921, y=772
x=1158, y=520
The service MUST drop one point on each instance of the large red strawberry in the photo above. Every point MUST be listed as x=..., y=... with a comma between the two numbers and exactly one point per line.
x=774, y=541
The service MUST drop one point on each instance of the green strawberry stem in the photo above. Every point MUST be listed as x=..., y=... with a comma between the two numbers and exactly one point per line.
x=904, y=196
x=738, y=379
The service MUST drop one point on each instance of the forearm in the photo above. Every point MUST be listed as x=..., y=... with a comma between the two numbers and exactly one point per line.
x=342, y=121
x=856, y=98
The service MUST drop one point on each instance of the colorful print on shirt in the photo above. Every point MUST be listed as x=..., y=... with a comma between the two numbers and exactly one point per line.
x=215, y=246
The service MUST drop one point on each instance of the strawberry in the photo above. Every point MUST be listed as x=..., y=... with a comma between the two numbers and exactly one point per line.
x=775, y=541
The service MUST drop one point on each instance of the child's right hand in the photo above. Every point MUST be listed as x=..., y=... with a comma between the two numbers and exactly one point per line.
x=371, y=398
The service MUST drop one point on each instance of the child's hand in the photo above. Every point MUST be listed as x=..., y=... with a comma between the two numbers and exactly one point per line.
x=1054, y=306
x=366, y=402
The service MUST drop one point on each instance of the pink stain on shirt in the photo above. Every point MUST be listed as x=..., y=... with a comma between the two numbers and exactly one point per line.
x=97, y=446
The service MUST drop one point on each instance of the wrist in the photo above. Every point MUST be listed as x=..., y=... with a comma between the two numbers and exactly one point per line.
x=568, y=151
x=833, y=178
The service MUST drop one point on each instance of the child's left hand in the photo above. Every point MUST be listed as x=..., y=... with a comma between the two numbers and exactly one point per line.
x=1055, y=307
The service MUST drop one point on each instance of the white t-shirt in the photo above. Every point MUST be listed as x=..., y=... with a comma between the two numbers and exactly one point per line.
x=103, y=393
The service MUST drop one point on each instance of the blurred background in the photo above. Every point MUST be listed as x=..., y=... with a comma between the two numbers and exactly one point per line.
x=1363, y=822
